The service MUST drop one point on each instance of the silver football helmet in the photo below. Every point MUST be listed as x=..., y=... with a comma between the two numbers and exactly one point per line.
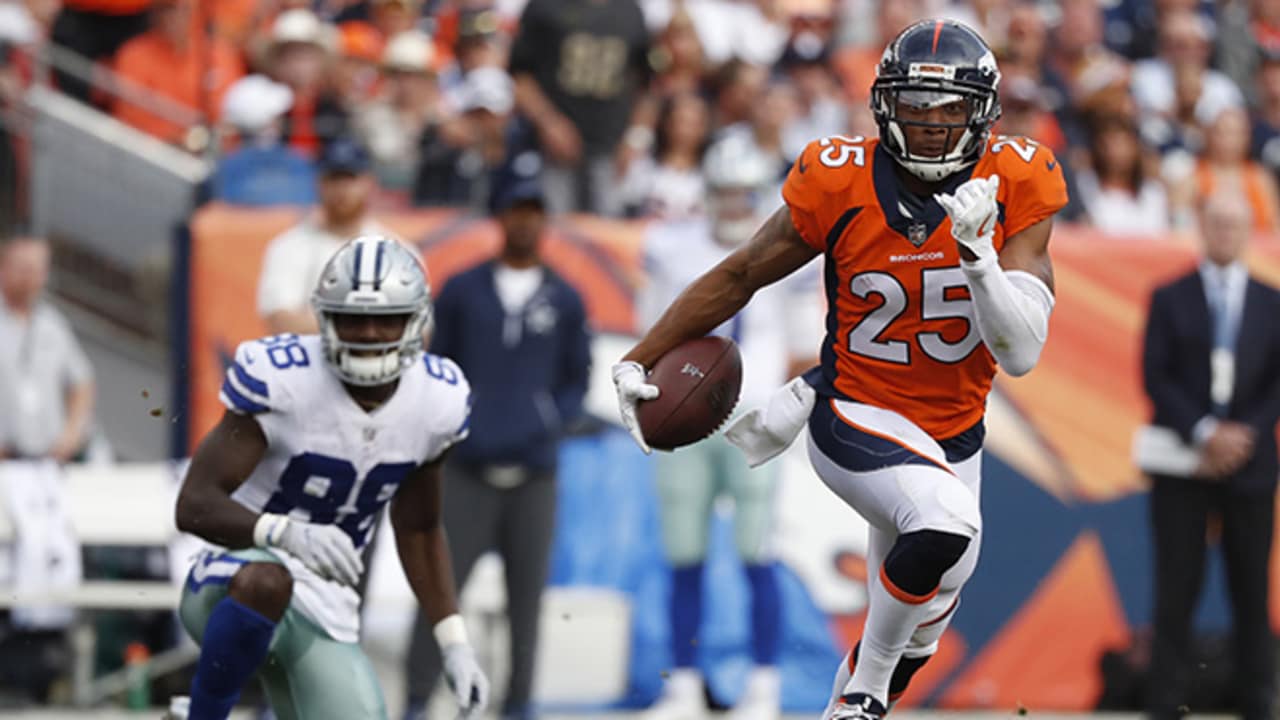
x=738, y=177
x=372, y=274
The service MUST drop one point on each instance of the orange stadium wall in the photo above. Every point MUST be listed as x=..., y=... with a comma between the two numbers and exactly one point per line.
x=1064, y=430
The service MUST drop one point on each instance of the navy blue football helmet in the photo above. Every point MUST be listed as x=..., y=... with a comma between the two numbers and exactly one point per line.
x=930, y=64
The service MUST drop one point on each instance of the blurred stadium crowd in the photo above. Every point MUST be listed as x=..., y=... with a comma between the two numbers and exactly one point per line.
x=1151, y=103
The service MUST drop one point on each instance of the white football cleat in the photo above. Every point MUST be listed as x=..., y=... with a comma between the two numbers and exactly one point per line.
x=179, y=708
x=762, y=700
x=682, y=698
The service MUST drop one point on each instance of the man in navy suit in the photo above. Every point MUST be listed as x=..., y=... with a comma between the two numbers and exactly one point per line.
x=1211, y=366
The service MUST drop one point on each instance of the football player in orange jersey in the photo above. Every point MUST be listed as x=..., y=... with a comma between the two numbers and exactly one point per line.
x=935, y=242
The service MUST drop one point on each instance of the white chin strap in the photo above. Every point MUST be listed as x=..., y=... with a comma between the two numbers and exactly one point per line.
x=369, y=370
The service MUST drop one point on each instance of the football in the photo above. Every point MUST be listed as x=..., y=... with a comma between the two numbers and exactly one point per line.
x=699, y=382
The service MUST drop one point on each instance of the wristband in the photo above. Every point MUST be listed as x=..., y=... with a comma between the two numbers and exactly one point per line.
x=450, y=631
x=268, y=530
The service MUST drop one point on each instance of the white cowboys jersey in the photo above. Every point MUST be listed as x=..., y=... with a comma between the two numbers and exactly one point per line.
x=328, y=460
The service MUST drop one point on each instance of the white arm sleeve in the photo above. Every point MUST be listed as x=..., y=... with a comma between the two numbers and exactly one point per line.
x=1012, y=309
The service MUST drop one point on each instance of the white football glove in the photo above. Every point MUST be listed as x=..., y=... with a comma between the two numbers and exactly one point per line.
x=326, y=549
x=467, y=681
x=974, y=213
x=629, y=379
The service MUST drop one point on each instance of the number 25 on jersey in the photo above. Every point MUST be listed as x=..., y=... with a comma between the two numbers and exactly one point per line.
x=937, y=302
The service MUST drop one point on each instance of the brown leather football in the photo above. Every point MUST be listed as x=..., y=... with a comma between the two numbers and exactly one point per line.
x=699, y=383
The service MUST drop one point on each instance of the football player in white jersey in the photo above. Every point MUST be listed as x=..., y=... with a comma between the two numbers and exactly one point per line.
x=776, y=334
x=320, y=432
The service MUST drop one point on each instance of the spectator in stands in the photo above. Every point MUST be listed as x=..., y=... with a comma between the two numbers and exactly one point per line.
x=820, y=108
x=1265, y=146
x=772, y=112
x=293, y=260
x=679, y=69
x=261, y=170
x=478, y=43
x=392, y=17
x=189, y=69
x=299, y=56
x=520, y=334
x=755, y=31
x=95, y=29
x=461, y=156
x=392, y=126
x=1079, y=65
x=1132, y=26
x=356, y=76
x=579, y=67
x=1025, y=112
x=1181, y=70
x=1211, y=367
x=1026, y=53
x=668, y=185
x=856, y=65
x=1120, y=192
x=1246, y=31
x=739, y=86
x=1225, y=167
x=46, y=382
x=680, y=66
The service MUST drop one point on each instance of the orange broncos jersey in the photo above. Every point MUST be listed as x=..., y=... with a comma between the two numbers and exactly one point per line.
x=900, y=328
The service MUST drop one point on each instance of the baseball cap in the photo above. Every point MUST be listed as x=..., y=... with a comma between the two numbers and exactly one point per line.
x=479, y=22
x=344, y=155
x=518, y=182
x=360, y=40
x=487, y=88
x=253, y=101
x=299, y=26
x=409, y=51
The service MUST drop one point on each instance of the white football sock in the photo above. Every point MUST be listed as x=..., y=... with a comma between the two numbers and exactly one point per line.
x=891, y=619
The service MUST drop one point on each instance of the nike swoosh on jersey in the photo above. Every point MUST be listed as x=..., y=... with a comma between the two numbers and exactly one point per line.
x=801, y=166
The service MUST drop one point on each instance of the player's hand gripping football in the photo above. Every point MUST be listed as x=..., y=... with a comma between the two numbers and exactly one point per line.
x=629, y=379
x=467, y=681
x=326, y=549
x=973, y=214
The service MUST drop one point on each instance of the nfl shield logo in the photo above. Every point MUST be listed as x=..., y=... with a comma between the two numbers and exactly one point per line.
x=917, y=234
x=370, y=433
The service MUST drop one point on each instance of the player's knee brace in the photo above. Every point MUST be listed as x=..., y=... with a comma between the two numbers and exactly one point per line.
x=917, y=560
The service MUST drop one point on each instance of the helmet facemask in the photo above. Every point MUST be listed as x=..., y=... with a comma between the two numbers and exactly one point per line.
x=371, y=364
x=734, y=212
x=966, y=140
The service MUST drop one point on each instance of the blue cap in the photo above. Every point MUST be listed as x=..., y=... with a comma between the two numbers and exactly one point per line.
x=518, y=182
x=344, y=155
